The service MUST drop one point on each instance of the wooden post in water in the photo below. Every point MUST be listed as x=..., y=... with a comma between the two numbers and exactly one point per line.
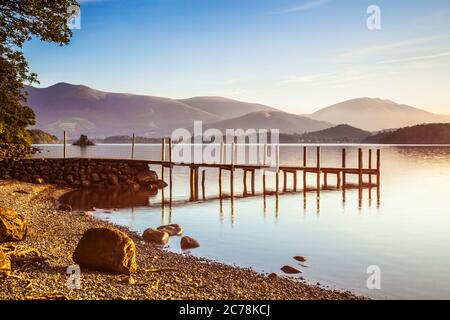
x=295, y=180
x=378, y=166
x=264, y=170
x=196, y=181
x=338, y=180
x=284, y=181
x=133, y=144
x=370, y=168
x=253, y=183
x=222, y=157
x=305, y=161
x=245, y=182
x=220, y=183
x=277, y=183
x=360, y=168
x=325, y=180
x=344, y=163
x=318, y=170
x=233, y=150
x=170, y=169
x=192, y=183
x=203, y=184
x=65, y=145
x=163, y=171
x=378, y=176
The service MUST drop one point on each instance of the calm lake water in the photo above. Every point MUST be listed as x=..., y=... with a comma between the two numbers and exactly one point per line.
x=406, y=233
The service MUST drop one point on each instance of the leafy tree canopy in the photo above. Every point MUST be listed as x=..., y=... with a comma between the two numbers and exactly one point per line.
x=20, y=20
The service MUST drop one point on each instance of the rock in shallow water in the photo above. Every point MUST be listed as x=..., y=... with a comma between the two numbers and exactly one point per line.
x=290, y=270
x=300, y=258
x=13, y=225
x=156, y=236
x=172, y=229
x=189, y=243
x=106, y=249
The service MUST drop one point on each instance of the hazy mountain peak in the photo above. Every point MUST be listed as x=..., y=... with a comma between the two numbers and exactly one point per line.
x=376, y=114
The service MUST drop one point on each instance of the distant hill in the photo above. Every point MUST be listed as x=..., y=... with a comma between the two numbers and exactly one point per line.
x=376, y=114
x=340, y=134
x=225, y=108
x=83, y=110
x=41, y=137
x=421, y=134
x=285, y=122
x=127, y=140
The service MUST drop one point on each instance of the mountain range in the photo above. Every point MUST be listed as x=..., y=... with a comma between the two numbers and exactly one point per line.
x=98, y=114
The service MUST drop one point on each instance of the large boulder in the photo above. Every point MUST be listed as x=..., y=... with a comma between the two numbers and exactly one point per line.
x=290, y=270
x=172, y=229
x=107, y=250
x=5, y=265
x=189, y=243
x=13, y=225
x=156, y=236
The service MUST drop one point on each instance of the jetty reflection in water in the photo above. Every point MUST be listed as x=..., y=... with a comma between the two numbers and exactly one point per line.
x=109, y=199
x=91, y=199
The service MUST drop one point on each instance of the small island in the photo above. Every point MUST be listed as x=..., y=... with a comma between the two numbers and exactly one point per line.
x=83, y=142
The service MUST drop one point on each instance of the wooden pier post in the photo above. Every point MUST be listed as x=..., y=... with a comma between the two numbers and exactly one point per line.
x=163, y=157
x=360, y=168
x=378, y=166
x=318, y=170
x=222, y=161
x=277, y=183
x=245, y=182
x=264, y=170
x=338, y=180
x=305, y=160
x=196, y=174
x=220, y=183
x=203, y=184
x=253, y=183
x=284, y=181
x=133, y=144
x=65, y=145
x=378, y=176
x=192, y=183
x=233, y=150
x=344, y=164
x=370, y=168
x=163, y=172
x=170, y=169
x=295, y=180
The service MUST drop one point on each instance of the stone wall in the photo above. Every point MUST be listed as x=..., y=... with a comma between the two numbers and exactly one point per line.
x=80, y=173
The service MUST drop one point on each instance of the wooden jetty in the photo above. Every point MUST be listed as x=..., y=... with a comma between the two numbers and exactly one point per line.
x=305, y=168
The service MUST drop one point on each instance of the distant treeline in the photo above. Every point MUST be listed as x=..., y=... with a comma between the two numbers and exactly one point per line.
x=435, y=133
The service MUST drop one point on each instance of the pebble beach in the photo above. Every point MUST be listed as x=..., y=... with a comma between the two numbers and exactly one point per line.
x=39, y=263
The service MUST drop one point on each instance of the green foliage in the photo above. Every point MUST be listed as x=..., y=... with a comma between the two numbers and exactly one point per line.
x=20, y=20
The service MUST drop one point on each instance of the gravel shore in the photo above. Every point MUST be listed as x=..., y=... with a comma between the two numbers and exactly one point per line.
x=161, y=275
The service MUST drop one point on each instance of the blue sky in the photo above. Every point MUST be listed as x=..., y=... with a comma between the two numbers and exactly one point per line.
x=297, y=55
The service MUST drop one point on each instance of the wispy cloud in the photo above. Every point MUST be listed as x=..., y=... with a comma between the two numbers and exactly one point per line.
x=305, y=6
x=417, y=58
x=372, y=50
x=341, y=77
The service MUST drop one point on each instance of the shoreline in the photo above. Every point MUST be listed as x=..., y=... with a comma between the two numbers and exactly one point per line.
x=161, y=275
